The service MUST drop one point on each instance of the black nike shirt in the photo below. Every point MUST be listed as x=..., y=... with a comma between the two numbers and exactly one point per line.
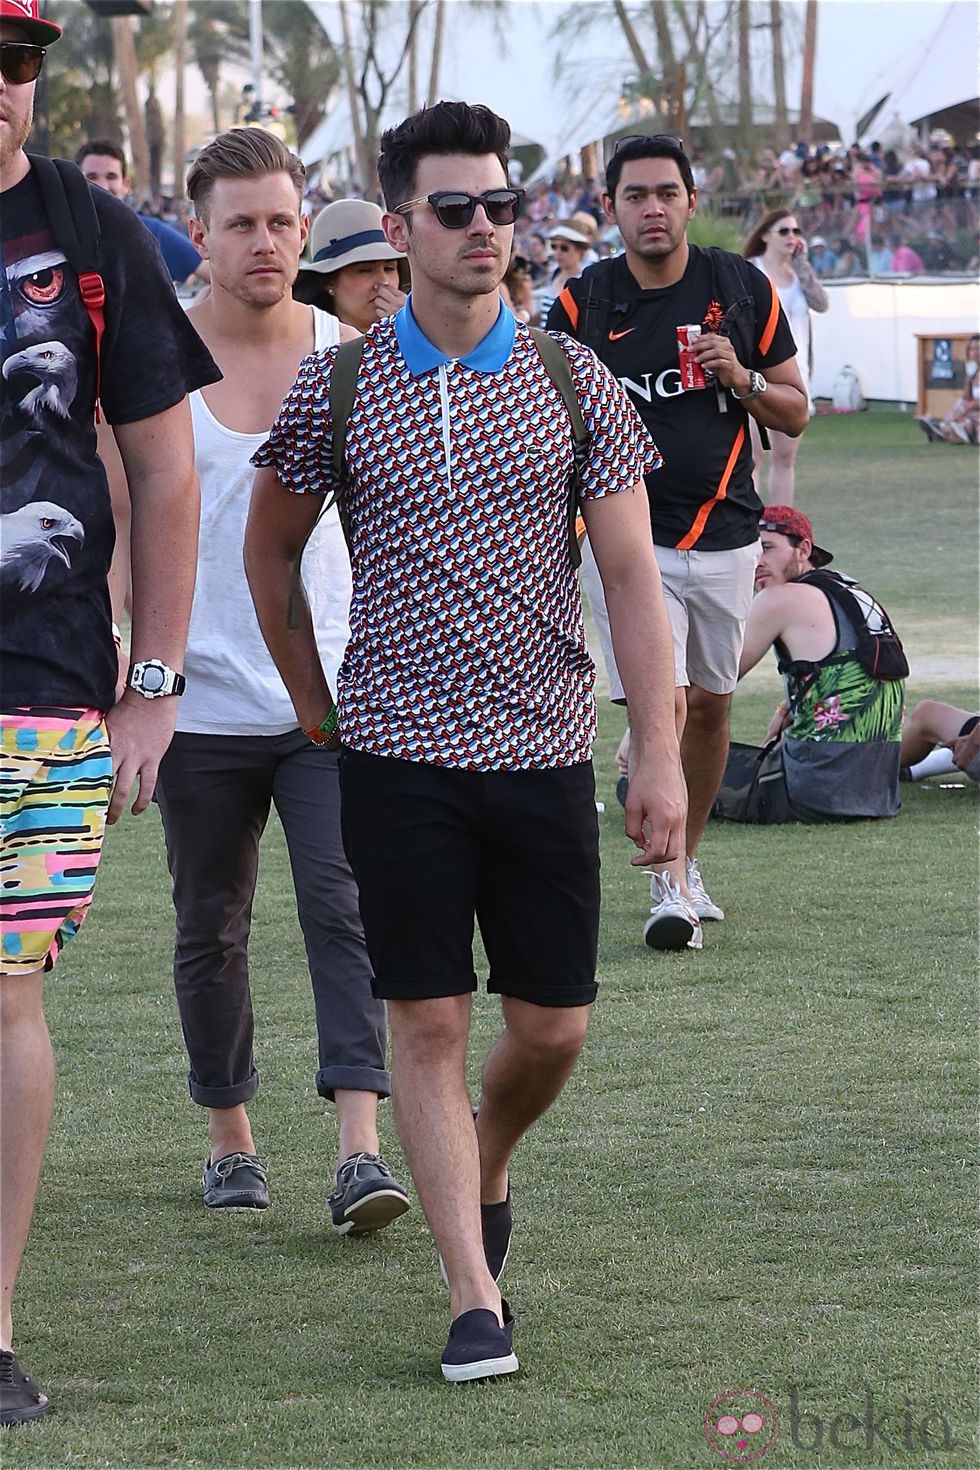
x=703, y=496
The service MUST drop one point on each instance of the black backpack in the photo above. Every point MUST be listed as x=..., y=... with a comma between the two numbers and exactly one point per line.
x=71, y=213
x=343, y=391
x=878, y=650
x=731, y=285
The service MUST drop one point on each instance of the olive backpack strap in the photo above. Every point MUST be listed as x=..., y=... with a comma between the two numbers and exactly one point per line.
x=343, y=391
x=558, y=370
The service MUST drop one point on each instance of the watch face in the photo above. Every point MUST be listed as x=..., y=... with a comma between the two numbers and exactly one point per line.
x=153, y=679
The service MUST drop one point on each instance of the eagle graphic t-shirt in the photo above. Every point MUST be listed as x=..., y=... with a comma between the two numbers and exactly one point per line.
x=56, y=527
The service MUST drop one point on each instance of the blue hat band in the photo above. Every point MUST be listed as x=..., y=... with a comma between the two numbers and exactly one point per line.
x=349, y=242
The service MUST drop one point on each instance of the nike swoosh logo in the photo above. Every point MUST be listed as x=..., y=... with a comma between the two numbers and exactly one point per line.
x=615, y=336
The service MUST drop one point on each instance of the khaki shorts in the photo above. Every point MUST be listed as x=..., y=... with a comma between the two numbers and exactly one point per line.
x=708, y=596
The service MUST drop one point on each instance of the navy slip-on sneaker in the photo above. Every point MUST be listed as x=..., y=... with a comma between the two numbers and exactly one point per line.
x=478, y=1347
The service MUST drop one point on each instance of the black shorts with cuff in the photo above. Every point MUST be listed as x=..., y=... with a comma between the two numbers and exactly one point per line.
x=434, y=848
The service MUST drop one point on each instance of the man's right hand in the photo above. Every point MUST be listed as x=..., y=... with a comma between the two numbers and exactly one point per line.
x=140, y=732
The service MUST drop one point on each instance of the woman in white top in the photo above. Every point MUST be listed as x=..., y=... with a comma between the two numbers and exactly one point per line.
x=779, y=250
x=572, y=244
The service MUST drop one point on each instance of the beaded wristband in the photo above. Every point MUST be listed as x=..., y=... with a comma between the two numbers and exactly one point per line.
x=323, y=733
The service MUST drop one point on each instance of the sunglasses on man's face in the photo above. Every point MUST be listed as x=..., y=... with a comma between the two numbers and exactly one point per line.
x=20, y=63
x=666, y=138
x=455, y=210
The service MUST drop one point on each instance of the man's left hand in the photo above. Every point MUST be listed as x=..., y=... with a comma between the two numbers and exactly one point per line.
x=656, y=812
x=140, y=730
x=717, y=355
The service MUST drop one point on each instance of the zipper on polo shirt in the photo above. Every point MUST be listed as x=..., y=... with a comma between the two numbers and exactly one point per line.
x=444, y=405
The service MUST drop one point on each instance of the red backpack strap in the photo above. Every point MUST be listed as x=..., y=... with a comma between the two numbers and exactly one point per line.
x=92, y=289
x=69, y=202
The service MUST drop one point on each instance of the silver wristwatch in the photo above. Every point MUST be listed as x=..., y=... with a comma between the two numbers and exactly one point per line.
x=153, y=679
x=757, y=385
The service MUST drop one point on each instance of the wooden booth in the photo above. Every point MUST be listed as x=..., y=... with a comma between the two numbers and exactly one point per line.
x=941, y=375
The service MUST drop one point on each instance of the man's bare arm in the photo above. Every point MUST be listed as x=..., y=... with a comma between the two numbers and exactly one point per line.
x=278, y=525
x=158, y=458
x=765, y=623
x=619, y=532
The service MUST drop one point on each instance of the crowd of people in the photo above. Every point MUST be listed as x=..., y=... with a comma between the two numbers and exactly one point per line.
x=876, y=211
x=380, y=632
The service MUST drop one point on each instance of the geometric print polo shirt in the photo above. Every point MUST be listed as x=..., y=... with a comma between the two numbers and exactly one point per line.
x=467, y=646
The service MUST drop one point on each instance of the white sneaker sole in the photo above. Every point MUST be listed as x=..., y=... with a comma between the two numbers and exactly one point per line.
x=486, y=1368
x=709, y=913
x=672, y=931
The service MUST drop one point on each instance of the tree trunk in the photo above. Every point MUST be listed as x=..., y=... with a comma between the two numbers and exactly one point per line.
x=745, y=75
x=156, y=137
x=413, y=56
x=180, y=127
x=436, y=52
x=124, y=48
x=779, y=73
x=364, y=168
x=809, y=58
x=632, y=39
x=668, y=63
x=696, y=55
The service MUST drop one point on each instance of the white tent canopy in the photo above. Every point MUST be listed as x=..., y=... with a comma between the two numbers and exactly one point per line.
x=940, y=75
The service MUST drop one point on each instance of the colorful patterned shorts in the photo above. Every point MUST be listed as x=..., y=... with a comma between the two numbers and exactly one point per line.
x=55, y=782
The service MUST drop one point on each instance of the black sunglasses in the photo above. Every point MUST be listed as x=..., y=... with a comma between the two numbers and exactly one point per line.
x=454, y=209
x=20, y=63
x=666, y=138
x=789, y=230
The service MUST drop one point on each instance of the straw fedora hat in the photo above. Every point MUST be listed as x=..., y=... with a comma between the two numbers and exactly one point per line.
x=345, y=232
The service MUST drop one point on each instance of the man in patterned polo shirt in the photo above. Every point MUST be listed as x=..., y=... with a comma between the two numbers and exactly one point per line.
x=465, y=696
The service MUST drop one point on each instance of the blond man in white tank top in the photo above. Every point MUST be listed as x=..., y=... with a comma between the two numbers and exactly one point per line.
x=239, y=748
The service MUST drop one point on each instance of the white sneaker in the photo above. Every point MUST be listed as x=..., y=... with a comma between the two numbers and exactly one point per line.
x=673, y=923
x=704, y=907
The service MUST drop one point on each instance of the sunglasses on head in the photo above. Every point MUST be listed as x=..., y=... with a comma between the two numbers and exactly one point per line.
x=454, y=210
x=789, y=230
x=20, y=62
x=666, y=138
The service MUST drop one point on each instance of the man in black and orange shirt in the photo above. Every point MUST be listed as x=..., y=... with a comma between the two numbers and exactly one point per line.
x=703, y=506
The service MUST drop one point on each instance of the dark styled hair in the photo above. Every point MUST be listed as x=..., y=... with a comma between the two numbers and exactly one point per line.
x=647, y=148
x=448, y=127
x=101, y=148
x=754, y=245
x=241, y=153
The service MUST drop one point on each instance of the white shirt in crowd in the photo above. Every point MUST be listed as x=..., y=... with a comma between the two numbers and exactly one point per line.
x=233, y=687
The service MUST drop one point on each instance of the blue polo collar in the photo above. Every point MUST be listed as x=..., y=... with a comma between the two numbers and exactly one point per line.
x=422, y=356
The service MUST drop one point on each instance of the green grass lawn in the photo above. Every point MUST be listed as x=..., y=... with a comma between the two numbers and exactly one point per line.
x=761, y=1176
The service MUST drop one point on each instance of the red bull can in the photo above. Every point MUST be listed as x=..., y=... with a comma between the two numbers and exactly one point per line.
x=692, y=373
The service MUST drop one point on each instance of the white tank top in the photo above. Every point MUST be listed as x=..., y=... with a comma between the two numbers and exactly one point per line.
x=233, y=687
